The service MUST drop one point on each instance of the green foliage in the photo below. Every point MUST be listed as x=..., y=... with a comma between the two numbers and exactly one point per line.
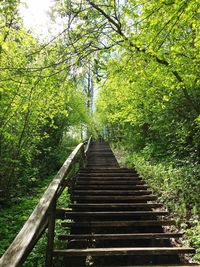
x=39, y=103
x=151, y=95
x=192, y=236
x=18, y=212
x=179, y=189
x=145, y=109
x=178, y=186
x=19, y=209
x=143, y=57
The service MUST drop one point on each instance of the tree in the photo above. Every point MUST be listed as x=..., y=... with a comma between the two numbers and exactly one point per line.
x=37, y=99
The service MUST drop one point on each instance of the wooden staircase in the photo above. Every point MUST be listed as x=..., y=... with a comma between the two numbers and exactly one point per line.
x=113, y=219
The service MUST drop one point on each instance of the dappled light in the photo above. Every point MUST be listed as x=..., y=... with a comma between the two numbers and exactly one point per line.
x=111, y=89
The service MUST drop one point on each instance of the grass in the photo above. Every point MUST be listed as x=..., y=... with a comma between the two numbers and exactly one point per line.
x=15, y=215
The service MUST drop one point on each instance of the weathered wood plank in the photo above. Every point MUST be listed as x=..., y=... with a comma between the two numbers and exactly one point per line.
x=167, y=265
x=108, y=178
x=115, y=197
x=121, y=236
x=124, y=251
x=119, y=223
x=110, y=170
x=108, y=174
x=116, y=205
x=88, y=145
x=111, y=187
x=66, y=213
x=110, y=183
x=112, y=192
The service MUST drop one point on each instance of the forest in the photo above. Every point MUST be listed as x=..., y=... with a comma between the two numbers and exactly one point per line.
x=125, y=70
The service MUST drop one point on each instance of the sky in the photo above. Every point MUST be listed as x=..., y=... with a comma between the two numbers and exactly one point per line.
x=35, y=14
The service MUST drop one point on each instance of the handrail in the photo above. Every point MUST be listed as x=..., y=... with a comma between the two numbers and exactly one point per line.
x=34, y=227
x=88, y=144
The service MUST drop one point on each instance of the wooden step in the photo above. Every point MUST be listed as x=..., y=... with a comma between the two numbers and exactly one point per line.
x=111, y=170
x=124, y=251
x=66, y=213
x=101, y=166
x=104, y=167
x=93, y=175
x=116, y=198
x=101, y=158
x=115, y=205
x=100, y=151
x=108, y=179
x=112, y=192
x=113, y=223
x=121, y=236
x=167, y=265
x=104, y=153
x=111, y=180
x=109, y=162
x=113, y=187
x=102, y=214
x=110, y=183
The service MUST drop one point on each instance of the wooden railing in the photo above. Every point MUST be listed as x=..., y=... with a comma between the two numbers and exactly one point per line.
x=43, y=215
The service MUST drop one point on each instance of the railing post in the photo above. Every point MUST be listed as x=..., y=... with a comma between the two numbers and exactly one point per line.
x=82, y=157
x=85, y=152
x=71, y=179
x=50, y=235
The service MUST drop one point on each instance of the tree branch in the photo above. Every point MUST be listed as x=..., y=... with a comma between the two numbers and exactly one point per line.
x=145, y=51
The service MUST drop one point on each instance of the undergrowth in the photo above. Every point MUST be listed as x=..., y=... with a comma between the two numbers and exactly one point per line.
x=15, y=215
x=177, y=187
x=19, y=208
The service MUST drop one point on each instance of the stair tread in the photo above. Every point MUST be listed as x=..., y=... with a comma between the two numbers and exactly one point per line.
x=106, y=173
x=113, y=197
x=110, y=182
x=114, y=178
x=114, y=187
x=124, y=251
x=112, y=213
x=99, y=212
x=104, y=205
x=120, y=223
x=122, y=236
x=164, y=265
x=112, y=191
